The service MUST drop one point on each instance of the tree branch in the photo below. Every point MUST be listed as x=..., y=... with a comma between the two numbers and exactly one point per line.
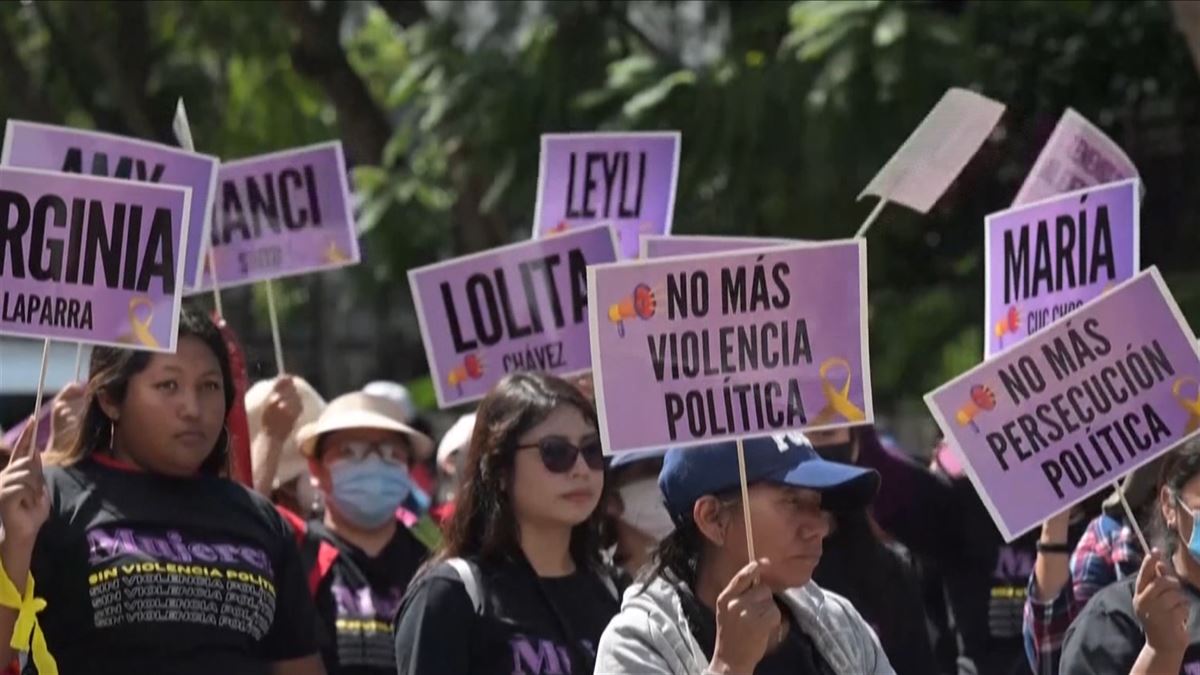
x=404, y=13
x=317, y=54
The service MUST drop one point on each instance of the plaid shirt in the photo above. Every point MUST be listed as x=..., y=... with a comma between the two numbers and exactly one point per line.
x=1107, y=552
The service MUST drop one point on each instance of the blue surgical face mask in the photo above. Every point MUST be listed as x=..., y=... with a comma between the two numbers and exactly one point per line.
x=1193, y=543
x=368, y=492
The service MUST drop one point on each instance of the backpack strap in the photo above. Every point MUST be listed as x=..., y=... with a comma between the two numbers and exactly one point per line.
x=469, y=574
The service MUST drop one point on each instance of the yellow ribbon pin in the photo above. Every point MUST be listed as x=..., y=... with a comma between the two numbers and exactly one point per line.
x=1192, y=406
x=27, y=630
x=140, y=330
x=837, y=402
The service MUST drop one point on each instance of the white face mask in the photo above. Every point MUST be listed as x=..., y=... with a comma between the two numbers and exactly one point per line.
x=644, y=508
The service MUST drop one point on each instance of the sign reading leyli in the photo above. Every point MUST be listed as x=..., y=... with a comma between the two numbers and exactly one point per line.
x=90, y=259
x=1077, y=406
x=1048, y=258
x=691, y=349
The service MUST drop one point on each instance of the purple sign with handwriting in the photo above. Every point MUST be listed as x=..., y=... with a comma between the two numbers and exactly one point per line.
x=1077, y=406
x=663, y=246
x=282, y=214
x=1045, y=259
x=87, y=259
x=42, y=146
x=515, y=308
x=693, y=349
x=627, y=179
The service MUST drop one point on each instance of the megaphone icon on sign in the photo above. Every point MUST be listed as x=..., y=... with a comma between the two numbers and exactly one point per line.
x=1008, y=324
x=470, y=369
x=640, y=304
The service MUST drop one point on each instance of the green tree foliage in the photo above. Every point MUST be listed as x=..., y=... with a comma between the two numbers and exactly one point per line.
x=787, y=110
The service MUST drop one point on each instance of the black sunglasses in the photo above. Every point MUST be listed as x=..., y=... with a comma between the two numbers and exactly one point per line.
x=558, y=454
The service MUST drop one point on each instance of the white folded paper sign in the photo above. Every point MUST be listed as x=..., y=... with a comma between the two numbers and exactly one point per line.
x=937, y=150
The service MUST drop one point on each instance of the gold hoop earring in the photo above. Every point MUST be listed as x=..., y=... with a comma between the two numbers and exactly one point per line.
x=112, y=436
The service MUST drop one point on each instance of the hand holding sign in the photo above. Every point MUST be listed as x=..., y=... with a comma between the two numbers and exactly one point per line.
x=24, y=502
x=1161, y=606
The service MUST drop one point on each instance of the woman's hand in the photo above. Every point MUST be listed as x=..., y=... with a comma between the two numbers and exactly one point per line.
x=1161, y=606
x=24, y=501
x=747, y=619
x=282, y=409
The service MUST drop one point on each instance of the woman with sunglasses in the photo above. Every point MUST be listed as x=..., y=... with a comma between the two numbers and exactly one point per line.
x=148, y=559
x=518, y=586
x=359, y=558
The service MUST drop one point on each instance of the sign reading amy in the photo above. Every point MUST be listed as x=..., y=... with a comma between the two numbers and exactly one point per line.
x=282, y=214
x=514, y=308
x=627, y=179
x=1048, y=258
x=698, y=348
x=91, y=259
x=1075, y=407
x=662, y=246
x=43, y=146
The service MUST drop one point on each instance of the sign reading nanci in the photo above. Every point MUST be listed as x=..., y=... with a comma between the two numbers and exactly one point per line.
x=692, y=349
x=1048, y=258
x=515, y=308
x=282, y=214
x=90, y=259
x=43, y=146
x=1077, y=406
x=627, y=179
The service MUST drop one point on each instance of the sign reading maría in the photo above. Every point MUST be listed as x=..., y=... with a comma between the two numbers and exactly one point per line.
x=42, y=146
x=1048, y=258
x=515, y=308
x=692, y=349
x=281, y=215
x=91, y=259
x=1075, y=407
x=627, y=179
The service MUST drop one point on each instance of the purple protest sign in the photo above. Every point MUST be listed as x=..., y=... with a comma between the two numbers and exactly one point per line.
x=692, y=349
x=282, y=214
x=663, y=246
x=1078, y=154
x=1047, y=258
x=43, y=146
x=514, y=308
x=627, y=179
x=90, y=259
x=1075, y=407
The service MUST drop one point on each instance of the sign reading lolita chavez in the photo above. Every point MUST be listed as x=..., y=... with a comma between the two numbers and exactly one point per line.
x=692, y=349
x=627, y=179
x=43, y=146
x=1048, y=258
x=1075, y=407
x=514, y=308
x=282, y=214
x=663, y=246
x=90, y=259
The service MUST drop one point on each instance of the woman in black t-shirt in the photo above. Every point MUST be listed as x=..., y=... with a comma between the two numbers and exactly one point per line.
x=149, y=560
x=1150, y=625
x=517, y=587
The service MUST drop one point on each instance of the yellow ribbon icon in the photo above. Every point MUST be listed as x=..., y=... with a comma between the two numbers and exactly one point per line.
x=27, y=630
x=334, y=255
x=837, y=402
x=1192, y=406
x=140, y=330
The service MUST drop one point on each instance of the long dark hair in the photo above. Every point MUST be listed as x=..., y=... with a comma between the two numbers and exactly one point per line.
x=110, y=370
x=483, y=524
x=1182, y=466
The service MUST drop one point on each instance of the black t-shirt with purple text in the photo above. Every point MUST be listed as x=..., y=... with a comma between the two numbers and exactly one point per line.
x=149, y=574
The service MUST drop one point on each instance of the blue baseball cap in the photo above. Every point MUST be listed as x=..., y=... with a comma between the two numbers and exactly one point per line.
x=689, y=474
x=627, y=458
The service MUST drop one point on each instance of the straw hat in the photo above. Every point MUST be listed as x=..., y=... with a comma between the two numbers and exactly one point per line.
x=456, y=439
x=358, y=410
